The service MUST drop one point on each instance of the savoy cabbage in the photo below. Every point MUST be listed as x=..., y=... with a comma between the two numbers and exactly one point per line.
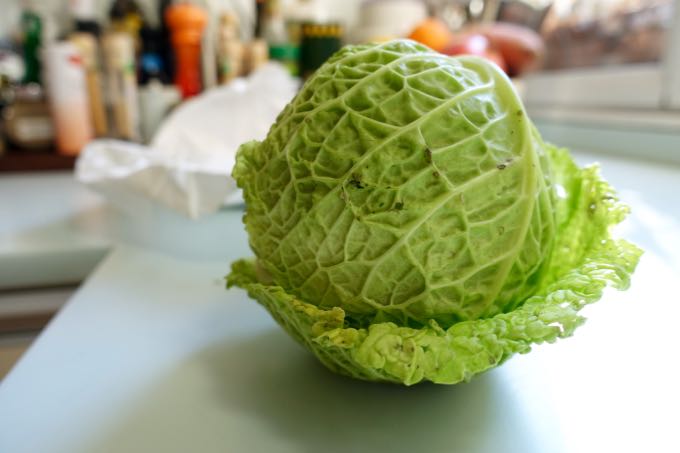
x=409, y=223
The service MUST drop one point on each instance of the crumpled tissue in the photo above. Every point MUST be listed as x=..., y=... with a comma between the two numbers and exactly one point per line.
x=188, y=163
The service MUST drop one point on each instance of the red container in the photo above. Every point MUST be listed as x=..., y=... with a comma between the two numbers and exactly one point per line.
x=186, y=23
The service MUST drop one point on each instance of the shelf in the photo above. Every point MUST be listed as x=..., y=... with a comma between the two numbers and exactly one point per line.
x=26, y=161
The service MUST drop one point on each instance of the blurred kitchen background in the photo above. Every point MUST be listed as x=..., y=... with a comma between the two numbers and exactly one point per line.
x=75, y=70
x=122, y=93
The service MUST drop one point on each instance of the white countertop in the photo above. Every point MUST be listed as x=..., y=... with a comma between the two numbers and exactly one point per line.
x=153, y=354
x=50, y=230
x=54, y=230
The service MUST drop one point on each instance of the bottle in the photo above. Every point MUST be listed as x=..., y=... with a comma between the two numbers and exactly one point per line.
x=31, y=26
x=151, y=63
x=67, y=92
x=281, y=48
x=230, y=49
x=257, y=54
x=257, y=50
x=164, y=42
x=186, y=23
x=126, y=16
x=300, y=12
x=84, y=13
x=318, y=43
x=87, y=46
x=119, y=61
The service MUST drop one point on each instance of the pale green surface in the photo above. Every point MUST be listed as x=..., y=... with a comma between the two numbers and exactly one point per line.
x=403, y=212
x=54, y=230
x=131, y=365
x=153, y=355
x=49, y=230
x=659, y=146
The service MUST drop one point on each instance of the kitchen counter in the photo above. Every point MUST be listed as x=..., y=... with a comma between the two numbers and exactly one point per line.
x=153, y=354
x=50, y=230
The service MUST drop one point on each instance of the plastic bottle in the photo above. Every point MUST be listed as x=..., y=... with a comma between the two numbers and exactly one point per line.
x=87, y=46
x=230, y=49
x=126, y=16
x=119, y=59
x=84, y=13
x=186, y=23
x=281, y=48
x=31, y=26
x=151, y=63
x=67, y=92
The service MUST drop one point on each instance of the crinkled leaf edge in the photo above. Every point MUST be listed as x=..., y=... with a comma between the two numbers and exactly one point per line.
x=392, y=353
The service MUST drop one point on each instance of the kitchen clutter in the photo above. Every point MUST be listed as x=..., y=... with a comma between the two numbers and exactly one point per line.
x=187, y=165
x=153, y=98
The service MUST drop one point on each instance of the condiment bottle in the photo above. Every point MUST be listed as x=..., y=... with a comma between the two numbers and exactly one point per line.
x=257, y=54
x=119, y=60
x=67, y=92
x=87, y=46
x=319, y=42
x=126, y=16
x=31, y=26
x=84, y=13
x=281, y=48
x=186, y=23
x=230, y=49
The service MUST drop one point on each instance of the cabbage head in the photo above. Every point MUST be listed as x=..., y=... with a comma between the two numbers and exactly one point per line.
x=409, y=223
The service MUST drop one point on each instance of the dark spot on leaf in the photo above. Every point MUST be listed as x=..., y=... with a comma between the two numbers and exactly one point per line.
x=501, y=166
x=428, y=155
x=501, y=230
x=435, y=174
x=356, y=182
x=399, y=206
x=519, y=112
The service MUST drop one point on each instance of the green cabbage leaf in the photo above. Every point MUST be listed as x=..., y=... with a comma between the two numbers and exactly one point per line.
x=410, y=224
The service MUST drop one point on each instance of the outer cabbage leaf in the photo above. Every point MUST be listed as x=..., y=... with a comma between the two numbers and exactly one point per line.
x=401, y=185
x=585, y=260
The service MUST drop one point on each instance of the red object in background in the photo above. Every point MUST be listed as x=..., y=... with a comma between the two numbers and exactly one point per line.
x=468, y=44
x=476, y=44
x=522, y=49
x=186, y=23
